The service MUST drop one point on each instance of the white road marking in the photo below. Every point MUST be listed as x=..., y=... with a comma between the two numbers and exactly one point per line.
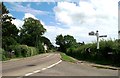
x=28, y=74
x=36, y=71
x=43, y=68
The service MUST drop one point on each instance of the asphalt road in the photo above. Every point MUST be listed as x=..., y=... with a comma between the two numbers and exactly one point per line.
x=50, y=65
x=24, y=66
x=71, y=69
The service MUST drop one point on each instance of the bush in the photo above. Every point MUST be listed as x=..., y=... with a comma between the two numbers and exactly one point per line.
x=23, y=50
x=7, y=41
x=3, y=54
x=106, y=47
x=33, y=51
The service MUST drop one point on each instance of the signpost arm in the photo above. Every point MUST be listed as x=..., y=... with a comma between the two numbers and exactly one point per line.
x=97, y=35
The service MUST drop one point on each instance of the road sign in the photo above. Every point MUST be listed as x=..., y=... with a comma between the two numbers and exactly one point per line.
x=91, y=33
x=103, y=36
x=97, y=35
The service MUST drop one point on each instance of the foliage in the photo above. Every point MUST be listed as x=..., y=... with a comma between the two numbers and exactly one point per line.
x=31, y=32
x=60, y=42
x=108, y=53
x=47, y=42
x=9, y=30
x=7, y=41
x=4, y=9
x=65, y=42
x=20, y=40
x=3, y=54
x=23, y=50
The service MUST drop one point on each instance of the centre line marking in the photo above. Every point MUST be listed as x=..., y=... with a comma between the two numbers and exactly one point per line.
x=28, y=74
x=36, y=71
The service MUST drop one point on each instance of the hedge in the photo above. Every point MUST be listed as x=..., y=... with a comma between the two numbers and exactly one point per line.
x=109, y=52
x=23, y=50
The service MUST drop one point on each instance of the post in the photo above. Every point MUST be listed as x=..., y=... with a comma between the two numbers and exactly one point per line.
x=97, y=35
x=92, y=33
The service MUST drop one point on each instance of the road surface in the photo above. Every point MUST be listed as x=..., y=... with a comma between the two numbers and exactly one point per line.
x=24, y=66
x=50, y=65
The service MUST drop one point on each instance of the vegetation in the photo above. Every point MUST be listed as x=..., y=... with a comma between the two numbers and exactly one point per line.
x=108, y=53
x=65, y=42
x=27, y=41
x=65, y=57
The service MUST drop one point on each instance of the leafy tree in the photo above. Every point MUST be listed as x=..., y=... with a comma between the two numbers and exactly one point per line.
x=4, y=9
x=47, y=42
x=69, y=40
x=31, y=32
x=65, y=42
x=60, y=42
x=9, y=30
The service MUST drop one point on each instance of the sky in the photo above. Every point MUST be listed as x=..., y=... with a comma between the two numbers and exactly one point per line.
x=119, y=18
x=76, y=18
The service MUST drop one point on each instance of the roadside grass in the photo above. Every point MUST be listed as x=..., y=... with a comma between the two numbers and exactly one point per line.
x=67, y=58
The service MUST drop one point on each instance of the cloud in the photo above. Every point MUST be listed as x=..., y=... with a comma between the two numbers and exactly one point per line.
x=27, y=15
x=18, y=23
x=26, y=9
x=82, y=17
x=89, y=15
x=79, y=33
x=86, y=12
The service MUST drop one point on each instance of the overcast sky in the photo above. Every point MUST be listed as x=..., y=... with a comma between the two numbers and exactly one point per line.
x=76, y=18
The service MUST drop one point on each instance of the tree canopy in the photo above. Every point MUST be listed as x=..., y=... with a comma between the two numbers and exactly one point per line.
x=31, y=32
x=9, y=30
x=65, y=41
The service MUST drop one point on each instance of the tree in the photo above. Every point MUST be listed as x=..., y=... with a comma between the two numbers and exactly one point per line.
x=65, y=42
x=47, y=42
x=69, y=40
x=31, y=32
x=9, y=30
x=60, y=42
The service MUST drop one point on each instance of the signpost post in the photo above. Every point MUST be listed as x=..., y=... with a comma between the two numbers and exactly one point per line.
x=92, y=33
x=119, y=34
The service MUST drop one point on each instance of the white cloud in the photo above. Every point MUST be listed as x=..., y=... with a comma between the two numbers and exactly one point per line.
x=27, y=15
x=89, y=15
x=18, y=23
x=10, y=15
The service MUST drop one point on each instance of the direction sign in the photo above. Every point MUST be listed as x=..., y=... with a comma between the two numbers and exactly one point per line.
x=103, y=36
x=91, y=33
x=97, y=35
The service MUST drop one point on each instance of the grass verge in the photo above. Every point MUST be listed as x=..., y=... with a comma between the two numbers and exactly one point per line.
x=65, y=57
